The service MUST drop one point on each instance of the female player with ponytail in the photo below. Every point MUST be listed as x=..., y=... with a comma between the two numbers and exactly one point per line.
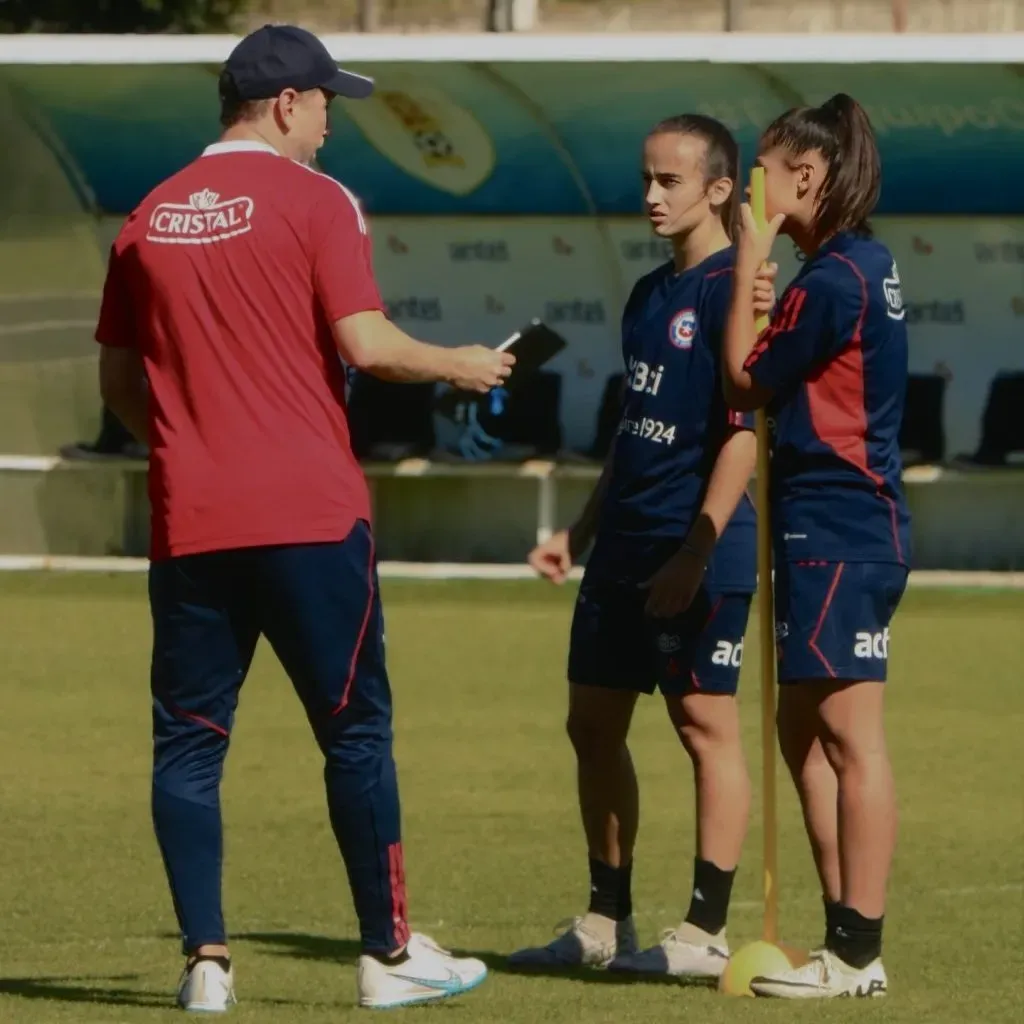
x=832, y=371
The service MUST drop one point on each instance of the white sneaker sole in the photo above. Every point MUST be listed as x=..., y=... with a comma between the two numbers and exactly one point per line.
x=199, y=1008
x=423, y=997
x=206, y=1007
x=682, y=976
x=773, y=990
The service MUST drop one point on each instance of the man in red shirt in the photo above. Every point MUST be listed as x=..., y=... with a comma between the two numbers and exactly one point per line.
x=231, y=291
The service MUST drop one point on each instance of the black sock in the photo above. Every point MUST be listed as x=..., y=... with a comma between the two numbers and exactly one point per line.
x=709, y=905
x=830, y=917
x=855, y=939
x=611, y=890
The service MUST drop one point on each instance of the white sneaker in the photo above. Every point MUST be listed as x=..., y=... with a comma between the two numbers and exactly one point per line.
x=206, y=987
x=428, y=974
x=824, y=976
x=684, y=952
x=590, y=941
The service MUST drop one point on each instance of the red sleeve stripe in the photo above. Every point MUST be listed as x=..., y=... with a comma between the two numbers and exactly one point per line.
x=351, y=197
x=786, y=318
x=789, y=315
x=760, y=347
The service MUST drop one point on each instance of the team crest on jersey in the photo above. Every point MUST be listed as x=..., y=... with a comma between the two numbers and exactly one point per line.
x=682, y=328
x=204, y=219
x=894, y=295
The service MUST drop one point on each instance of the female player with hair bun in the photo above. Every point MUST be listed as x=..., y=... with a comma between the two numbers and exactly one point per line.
x=832, y=371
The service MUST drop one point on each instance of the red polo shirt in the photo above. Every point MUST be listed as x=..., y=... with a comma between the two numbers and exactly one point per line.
x=226, y=279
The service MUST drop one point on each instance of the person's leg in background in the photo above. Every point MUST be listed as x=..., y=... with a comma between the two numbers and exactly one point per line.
x=321, y=612
x=203, y=643
x=608, y=669
x=699, y=657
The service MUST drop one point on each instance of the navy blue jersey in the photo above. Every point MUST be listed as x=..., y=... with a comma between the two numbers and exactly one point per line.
x=674, y=421
x=835, y=356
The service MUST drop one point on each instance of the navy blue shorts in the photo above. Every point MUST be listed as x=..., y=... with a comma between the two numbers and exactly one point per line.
x=832, y=619
x=317, y=605
x=615, y=644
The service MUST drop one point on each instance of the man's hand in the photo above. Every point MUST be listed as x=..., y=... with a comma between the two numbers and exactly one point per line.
x=553, y=558
x=674, y=586
x=370, y=342
x=764, y=289
x=477, y=368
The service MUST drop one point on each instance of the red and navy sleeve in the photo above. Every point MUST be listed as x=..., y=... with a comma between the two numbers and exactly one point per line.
x=342, y=255
x=715, y=314
x=804, y=333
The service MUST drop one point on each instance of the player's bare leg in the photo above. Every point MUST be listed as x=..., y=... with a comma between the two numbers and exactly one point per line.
x=598, y=724
x=709, y=729
x=852, y=737
x=816, y=783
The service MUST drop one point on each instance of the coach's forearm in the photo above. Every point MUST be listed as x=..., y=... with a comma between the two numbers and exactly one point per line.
x=124, y=391
x=729, y=479
x=740, y=336
x=372, y=343
x=132, y=409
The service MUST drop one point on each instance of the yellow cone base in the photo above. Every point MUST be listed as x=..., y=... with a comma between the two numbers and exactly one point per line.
x=751, y=961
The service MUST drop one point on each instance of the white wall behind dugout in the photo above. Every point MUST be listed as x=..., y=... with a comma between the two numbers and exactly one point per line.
x=478, y=279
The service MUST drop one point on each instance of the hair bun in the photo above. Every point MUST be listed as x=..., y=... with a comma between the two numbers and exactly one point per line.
x=839, y=105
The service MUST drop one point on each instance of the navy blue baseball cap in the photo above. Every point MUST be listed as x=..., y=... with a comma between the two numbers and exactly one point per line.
x=279, y=57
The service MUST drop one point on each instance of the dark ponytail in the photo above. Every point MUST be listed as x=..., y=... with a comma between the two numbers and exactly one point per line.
x=841, y=131
x=722, y=159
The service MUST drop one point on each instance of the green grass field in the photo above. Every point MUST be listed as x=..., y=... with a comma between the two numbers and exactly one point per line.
x=494, y=851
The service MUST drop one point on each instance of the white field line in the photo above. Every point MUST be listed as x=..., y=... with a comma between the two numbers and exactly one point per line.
x=38, y=326
x=936, y=579
x=72, y=296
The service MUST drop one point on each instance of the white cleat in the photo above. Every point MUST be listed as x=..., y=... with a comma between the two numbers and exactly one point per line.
x=206, y=987
x=428, y=974
x=590, y=941
x=685, y=952
x=824, y=976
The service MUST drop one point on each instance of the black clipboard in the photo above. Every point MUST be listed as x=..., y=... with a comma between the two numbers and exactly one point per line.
x=533, y=346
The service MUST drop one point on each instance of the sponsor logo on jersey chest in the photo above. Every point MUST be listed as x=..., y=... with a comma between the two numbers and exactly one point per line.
x=204, y=219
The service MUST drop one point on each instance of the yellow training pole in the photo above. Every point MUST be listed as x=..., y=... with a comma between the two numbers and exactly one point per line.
x=764, y=957
x=766, y=623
